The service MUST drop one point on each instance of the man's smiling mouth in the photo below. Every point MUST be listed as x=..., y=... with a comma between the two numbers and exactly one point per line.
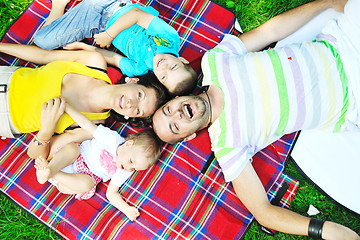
x=188, y=111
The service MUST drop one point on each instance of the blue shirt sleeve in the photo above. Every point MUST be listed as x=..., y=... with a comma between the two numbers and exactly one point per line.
x=131, y=68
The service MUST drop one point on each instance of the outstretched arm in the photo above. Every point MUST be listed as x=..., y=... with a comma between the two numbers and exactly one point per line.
x=133, y=16
x=111, y=58
x=252, y=194
x=286, y=23
x=115, y=199
x=40, y=56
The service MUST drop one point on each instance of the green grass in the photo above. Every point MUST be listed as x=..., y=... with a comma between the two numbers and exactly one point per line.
x=16, y=223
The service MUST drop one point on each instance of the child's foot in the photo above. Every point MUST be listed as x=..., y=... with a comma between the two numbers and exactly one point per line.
x=43, y=173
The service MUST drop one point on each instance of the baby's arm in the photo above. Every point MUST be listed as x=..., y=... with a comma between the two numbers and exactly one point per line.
x=115, y=199
x=133, y=16
x=81, y=119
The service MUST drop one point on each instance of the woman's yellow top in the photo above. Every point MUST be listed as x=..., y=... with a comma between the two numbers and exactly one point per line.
x=31, y=87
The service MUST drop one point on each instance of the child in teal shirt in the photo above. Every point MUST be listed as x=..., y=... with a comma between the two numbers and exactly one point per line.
x=148, y=43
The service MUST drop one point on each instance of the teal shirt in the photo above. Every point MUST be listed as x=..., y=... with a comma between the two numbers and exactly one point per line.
x=140, y=45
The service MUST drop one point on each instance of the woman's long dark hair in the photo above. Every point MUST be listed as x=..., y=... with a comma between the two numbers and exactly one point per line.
x=148, y=80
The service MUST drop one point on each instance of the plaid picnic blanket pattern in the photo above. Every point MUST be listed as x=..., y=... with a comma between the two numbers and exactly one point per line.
x=183, y=196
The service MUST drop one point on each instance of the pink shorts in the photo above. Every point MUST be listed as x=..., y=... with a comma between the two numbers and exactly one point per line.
x=81, y=167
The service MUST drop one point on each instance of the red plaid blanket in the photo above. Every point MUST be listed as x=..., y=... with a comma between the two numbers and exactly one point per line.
x=183, y=196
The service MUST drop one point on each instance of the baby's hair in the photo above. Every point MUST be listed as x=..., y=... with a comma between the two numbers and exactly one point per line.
x=187, y=86
x=149, y=142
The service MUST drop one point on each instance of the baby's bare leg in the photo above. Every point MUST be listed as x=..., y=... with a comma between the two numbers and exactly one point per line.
x=64, y=157
x=73, y=183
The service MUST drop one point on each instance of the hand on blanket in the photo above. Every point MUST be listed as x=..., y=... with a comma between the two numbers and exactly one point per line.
x=132, y=213
x=103, y=39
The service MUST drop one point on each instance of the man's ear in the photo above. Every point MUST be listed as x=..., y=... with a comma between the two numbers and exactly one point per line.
x=191, y=137
x=131, y=80
x=183, y=60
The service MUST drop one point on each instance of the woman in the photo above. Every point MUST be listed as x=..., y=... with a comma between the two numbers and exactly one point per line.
x=79, y=77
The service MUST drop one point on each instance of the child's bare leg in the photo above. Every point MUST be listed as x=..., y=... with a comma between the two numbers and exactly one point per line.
x=57, y=10
x=73, y=183
x=64, y=157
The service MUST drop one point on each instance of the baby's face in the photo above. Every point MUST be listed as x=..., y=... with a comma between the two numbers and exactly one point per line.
x=131, y=157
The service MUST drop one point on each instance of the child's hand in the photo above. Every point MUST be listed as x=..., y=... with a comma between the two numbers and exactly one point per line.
x=103, y=39
x=132, y=213
x=51, y=112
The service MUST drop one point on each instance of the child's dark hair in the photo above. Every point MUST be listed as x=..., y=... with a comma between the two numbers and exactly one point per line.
x=148, y=80
x=150, y=143
x=187, y=86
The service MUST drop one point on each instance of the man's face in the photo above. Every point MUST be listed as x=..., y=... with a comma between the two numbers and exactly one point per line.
x=180, y=118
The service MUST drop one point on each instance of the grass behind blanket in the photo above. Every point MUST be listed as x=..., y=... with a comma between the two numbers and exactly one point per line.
x=15, y=223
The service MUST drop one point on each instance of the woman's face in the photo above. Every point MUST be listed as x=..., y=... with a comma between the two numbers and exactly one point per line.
x=134, y=100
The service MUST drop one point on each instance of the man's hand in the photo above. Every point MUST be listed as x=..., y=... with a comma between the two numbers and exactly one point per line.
x=103, y=39
x=338, y=5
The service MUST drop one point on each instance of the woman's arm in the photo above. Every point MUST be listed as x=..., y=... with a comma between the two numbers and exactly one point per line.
x=111, y=58
x=252, y=194
x=133, y=16
x=115, y=199
x=51, y=112
x=40, y=56
x=286, y=23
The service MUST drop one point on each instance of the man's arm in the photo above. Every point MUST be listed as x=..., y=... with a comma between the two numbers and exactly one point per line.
x=286, y=23
x=252, y=194
x=133, y=16
x=40, y=56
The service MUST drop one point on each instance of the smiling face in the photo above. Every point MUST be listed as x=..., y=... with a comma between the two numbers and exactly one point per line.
x=134, y=100
x=131, y=157
x=180, y=118
x=171, y=70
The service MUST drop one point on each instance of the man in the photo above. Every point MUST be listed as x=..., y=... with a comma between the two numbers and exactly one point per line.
x=255, y=98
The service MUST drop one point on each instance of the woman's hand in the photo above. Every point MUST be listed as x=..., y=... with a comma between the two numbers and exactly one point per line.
x=51, y=112
x=103, y=39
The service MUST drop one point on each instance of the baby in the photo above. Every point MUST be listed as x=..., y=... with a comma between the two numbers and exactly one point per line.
x=106, y=156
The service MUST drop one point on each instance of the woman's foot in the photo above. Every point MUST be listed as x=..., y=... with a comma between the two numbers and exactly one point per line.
x=43, y=172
